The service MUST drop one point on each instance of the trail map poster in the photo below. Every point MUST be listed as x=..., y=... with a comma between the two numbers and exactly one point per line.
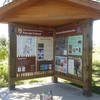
x=61, y=46
x=75, y=45
x=26, y=46
x=61, y=64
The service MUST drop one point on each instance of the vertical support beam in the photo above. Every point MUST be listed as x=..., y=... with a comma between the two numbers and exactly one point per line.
x=12, y=56
x=55, y=78
x=87, y=57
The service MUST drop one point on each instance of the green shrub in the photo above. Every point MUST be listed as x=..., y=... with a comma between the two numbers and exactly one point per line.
x=3, y=75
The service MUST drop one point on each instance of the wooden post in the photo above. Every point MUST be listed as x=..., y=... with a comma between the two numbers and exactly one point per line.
x=12, y=55
x=87, y=57
x=54, y=78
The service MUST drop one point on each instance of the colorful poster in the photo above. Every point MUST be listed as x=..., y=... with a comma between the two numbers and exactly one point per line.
x=61, y=64
x=75, y=66
x=75, y=45
x=45, y=67
x=26, y=46
x=61, y=46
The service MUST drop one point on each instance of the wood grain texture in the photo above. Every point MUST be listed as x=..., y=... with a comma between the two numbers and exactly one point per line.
x=54, y=78
x=25, y=76
x=70, y=78
x=86, y=3
x=49, y=12
x=12, y=55
x=87, y=57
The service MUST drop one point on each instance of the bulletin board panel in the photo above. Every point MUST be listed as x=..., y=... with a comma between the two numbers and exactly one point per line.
x=69, y=53
x=34, y=52
x=69, y=48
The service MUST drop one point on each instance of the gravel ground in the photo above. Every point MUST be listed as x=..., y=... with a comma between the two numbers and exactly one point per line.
x=32, y=92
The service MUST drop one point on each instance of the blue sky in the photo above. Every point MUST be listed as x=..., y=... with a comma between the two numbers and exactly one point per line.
x=96, y=30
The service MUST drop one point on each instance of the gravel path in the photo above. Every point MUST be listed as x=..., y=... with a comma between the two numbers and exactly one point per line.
x=32, y=92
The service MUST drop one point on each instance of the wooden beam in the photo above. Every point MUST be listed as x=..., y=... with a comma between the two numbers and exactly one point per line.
x=87, y=57
x=54, y=78
x=12, y=55
x=76, y=81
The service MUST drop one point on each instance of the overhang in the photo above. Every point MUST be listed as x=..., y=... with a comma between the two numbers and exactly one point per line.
x=49, y=12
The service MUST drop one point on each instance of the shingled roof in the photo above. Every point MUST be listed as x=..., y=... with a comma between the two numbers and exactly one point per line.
x=49, y=12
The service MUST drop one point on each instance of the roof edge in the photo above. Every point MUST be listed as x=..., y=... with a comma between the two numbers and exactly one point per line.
x=88, y=3
x=14, y=4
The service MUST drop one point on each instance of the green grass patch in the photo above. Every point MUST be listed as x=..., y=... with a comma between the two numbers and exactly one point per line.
x=35, y=81
x=3, y=74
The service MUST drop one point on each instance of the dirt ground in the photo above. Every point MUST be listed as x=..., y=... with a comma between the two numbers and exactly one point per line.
x=32, y=92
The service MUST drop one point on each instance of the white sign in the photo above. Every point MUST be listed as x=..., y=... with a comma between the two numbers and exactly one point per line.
x=47, y=48
x=71, y=66
x=26, y=46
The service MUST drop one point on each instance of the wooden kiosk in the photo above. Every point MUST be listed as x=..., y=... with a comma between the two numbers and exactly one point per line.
x=51, y=38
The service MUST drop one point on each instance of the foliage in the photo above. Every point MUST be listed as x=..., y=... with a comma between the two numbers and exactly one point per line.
x=3, y=62
x=3, y=74
x=96, y=71
x=3, y=49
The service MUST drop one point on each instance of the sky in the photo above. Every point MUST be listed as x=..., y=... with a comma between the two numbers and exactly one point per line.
x=96, y=30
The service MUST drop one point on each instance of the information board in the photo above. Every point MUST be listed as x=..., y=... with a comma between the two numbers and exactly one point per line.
x=61, y=64
x=75, y=66
x=26, y=52
x=45, y=48
x=61, y=46
x=75, y=45
x=37, y=44
x=26, y=46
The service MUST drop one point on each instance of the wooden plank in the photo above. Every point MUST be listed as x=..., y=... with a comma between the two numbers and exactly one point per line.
x=87, y=57
x=71, y=79
x=12, y=55
x=13, y=6
x=36, y=75
x=54, y=78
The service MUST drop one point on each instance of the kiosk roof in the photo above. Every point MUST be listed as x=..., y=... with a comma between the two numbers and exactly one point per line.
x=49, y=12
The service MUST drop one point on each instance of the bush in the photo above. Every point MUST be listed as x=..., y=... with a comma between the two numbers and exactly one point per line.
x=3, y=75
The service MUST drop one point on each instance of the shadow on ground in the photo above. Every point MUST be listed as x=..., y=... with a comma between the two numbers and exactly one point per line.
x=32, y=92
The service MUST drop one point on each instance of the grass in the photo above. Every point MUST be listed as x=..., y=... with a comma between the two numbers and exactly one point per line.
x=96, y=71
x=30, y=81
x=4, y=73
